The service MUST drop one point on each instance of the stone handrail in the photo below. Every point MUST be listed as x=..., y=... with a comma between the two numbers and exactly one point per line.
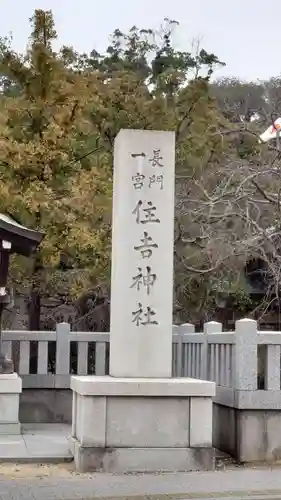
x=228, y=358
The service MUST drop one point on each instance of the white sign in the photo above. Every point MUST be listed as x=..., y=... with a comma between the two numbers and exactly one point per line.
x=271, y=132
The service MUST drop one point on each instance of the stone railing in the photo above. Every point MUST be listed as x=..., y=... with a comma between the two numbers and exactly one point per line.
x=47, y=359
x=244, y=364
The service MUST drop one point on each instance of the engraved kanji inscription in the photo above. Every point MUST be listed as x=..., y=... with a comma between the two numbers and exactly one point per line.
x=156, y=158
x=138, y=181
x=146, y=246
x=156, y=179
x=145, y=214
x=144, y=316
x=138, y=155
x=146, y=279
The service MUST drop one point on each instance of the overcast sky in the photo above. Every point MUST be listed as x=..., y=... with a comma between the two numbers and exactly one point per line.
x=244, y=34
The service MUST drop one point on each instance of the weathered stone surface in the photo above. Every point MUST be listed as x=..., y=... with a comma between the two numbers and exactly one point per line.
x=245, y=369
x=120, y=460
x=10, y=389
x=123, y=424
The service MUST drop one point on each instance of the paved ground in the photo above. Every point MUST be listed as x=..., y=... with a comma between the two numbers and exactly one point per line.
x=28, y=482
x=23, y=481
x=38, y=442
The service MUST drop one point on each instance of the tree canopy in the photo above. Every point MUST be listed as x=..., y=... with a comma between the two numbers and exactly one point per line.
x=59, y=115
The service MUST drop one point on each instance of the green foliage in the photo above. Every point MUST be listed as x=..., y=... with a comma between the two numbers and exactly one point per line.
x=59, y=116
x=42, y=177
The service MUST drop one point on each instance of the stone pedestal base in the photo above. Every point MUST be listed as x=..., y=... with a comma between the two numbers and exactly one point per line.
x=142, y=425
x=10, y=390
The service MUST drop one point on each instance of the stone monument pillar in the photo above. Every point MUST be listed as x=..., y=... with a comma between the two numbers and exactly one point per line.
x=141, y=305
x=139, y=418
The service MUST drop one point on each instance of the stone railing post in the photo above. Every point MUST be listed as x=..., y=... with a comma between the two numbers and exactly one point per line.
x=187, y=328
x=182, y=330
x=208, y=362
x=63, y=352
x=246, y=355
x=176, y=351
x=272, y=368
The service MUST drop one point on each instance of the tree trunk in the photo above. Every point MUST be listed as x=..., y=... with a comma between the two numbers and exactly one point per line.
x=34, y=310
x=34, y=305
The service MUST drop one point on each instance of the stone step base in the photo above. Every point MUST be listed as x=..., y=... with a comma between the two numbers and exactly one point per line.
x=10, y=429
x=45, y=443
x=122, y=460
